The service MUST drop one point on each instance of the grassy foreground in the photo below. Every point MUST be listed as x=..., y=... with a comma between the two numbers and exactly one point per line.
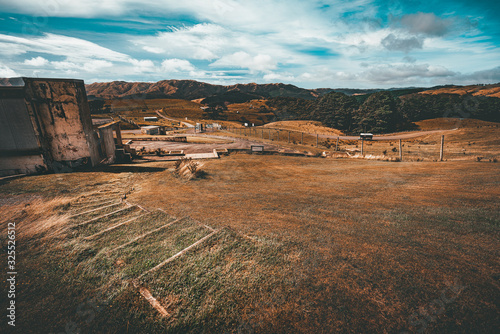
x=302, y=245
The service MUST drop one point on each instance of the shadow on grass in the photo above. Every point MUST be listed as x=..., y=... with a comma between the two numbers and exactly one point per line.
x=126, y=168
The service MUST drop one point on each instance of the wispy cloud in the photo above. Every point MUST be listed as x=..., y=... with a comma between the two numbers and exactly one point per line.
x=310, y=43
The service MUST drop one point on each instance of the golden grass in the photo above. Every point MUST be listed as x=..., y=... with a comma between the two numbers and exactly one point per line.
x=334, y=245
x=304, y=126
x=490, y=90
x=35, y=216
x=453, y=123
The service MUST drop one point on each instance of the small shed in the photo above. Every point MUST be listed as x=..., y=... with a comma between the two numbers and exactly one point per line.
x=150, y=130
x=151, y=119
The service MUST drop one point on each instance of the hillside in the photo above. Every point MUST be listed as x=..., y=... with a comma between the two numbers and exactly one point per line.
x=190, y=90
x=475, y=90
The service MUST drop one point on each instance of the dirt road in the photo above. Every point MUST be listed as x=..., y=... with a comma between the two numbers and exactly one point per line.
x=406, y=135
x=186, y=124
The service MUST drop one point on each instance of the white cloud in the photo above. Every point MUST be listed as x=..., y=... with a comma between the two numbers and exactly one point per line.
x=96, y=65
x=176, y=65
x=38, y=61
x=152, y=49
x=260, y=62
x=143, y=66
x=7, y=72
x=201, y=41
x=398, y=73
x=70, y=47
x=279, y=77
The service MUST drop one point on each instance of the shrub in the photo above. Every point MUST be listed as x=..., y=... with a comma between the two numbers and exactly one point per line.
x=188, y=169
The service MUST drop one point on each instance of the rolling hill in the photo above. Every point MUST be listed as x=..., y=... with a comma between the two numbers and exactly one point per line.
x=190, y=90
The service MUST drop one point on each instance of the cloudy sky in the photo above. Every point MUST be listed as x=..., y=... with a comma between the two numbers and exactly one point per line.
x=311, y=44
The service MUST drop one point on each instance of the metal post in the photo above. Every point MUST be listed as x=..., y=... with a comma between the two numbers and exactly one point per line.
x=316, y=140
x=278, y=134
x=362, y=147
x=269, y=134
x=262, y=134
x=288, y=137
x=301, y=138
x=441, y=153
x=337, y=145
x=400, y=151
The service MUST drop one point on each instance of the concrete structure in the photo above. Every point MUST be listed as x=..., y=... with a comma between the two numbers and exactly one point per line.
x=150, y=130
x=45, y=125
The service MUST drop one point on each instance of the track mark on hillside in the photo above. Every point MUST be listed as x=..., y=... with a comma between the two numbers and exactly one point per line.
x=170, y=259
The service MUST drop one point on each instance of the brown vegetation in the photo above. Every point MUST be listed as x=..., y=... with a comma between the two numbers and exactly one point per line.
x=481, y=90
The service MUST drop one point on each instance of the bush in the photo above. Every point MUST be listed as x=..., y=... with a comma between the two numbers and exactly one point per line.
x=188, y=169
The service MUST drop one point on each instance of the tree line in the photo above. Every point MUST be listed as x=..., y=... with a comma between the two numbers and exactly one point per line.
x=384, y=111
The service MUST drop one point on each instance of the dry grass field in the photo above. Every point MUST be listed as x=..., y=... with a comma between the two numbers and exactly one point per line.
x=265, y=243
x=304, y=126
x=464, y=140
x=303, y=245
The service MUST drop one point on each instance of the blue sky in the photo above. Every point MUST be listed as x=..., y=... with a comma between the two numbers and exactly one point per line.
x=311, y=44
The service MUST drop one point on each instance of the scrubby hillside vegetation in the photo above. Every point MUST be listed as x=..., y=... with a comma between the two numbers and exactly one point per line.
x=385, y=111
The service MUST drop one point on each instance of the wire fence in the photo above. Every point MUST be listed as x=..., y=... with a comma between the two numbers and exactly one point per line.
x=428, y=147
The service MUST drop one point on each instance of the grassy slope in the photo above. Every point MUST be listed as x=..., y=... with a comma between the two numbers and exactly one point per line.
x=304, y=126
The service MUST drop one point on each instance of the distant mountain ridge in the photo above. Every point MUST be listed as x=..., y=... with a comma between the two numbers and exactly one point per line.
x=191, y=90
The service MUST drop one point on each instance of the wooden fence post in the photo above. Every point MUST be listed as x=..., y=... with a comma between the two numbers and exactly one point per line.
x=400, y=151
x=441, y=152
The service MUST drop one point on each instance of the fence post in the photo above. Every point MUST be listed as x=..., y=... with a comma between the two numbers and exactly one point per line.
x=302, y=138
x=400, y=151
x=316, y=140
x=337, y=145
x=441, y=152
x=288, y=137
x=362, y=147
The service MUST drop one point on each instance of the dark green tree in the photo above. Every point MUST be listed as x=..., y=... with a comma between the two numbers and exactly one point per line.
x=336, y=110
x=378, y=114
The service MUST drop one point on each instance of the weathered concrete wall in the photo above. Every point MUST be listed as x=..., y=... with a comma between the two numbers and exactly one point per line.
x=19, y=147
x=16, y=130
x=21, y=165
x=46, y=124
x=108, y=143
x=64, y=118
